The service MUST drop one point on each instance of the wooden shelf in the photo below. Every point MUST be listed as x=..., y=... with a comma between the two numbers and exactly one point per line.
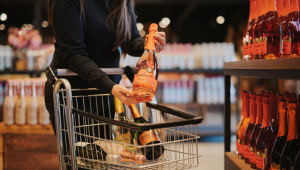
x=285, y=68
x=232, y=162
x=26, y=129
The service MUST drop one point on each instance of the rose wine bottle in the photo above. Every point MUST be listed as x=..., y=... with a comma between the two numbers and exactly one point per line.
x=292, y=145
x=271, y=32
x=146, y=70
x=238, y=146
x=251, y=21
x=251, y=31
x=281, y=135
x=250, y=128
x=256, y=130
x=244, y=124
x=262, y=5
x=266, y=139
x=9, y=104
x=279, y=7
x=291, y=36
x=273, y=115
x=286, y=43
x=148, y=137
x=294, y=97
x=20, y=115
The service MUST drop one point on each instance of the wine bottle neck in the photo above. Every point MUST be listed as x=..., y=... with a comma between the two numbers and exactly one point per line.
x=150, y=41
x=252, y=111
x=252, y=10
x=135, y=112
x=22, y=90
x=282, y=129
x=266, y=112
x=10, y=89
x=292, y=122
x=33, y=89
x=118, y=105
x=247, y=108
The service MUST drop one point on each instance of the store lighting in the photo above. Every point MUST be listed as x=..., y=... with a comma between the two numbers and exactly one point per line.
x=162, y=25
x=166, y=21
x=220, y=20
x=3, y=17
x=142, y=33
x=2, y=27
x=45, y=24
x=140, y=26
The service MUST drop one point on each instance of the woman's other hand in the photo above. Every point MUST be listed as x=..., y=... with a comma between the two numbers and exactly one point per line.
x=160, y=41
x=126, y=96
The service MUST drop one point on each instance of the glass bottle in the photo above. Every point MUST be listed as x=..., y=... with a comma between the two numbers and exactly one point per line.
x=9, y=104
x=244, y=124
x=287, y=93
x=292, y=145
x=256, y=130
x=20, y=115
x=273, y=115
x=32, y=106
x=286, y=43
x=251, y=21
x=238, y=146
x=257, y=34
x=251, y=42
x=294, y=97
x=250, y=128
x=271, y=32
x=146, y=70
x=266, y=138
x=279, y=7
x=281, y=135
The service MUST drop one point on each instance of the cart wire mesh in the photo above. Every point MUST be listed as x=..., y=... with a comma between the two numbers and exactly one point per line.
x=88, y=119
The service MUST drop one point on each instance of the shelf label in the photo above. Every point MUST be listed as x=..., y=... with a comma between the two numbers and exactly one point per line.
x=286, y=45
x=246, y=152
x=260, y=160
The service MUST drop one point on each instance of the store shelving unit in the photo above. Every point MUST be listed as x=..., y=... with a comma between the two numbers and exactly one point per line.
x=31, y=73
x=286, y=68
x=194, y=71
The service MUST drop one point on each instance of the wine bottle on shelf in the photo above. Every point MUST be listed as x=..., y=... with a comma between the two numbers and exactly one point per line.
x=146, y=70
x=255, y=12
x=238, y=146
x=250, y=128
x=271, y=32
x=266, y=138
x=148, y=137
x=117, y=149
x=93, y=151
x=244, y=124
x=281, y=135
x=20, y=111
x=121, y=134
x=32, y=106
x=286, y=43
x=251, y=20
x=273, y=111
x=9, y=104
x=292, y=145
x=256, y=130
x=257, y=34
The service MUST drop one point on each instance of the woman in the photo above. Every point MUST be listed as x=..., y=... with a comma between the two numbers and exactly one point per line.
x=90, y=35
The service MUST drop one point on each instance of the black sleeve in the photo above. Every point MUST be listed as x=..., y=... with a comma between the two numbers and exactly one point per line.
x=69, y=35
x=137, y=42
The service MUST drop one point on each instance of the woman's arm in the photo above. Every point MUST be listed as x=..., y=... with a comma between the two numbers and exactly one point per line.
x=69, y=35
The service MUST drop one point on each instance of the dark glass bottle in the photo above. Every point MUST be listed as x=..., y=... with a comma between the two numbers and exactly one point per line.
x=271, y=33
x=292, y=145
x=251, y=30
x=255, y=132
x=294, y=97
x=274, y=115
x=297, y=161
x=244, y=124
x=250, y=128
x=281, y=135
x=238, y=146
x=246, y=37
x=266, y=138
x=287, y=93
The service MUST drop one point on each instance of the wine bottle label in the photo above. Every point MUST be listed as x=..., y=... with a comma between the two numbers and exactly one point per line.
x=149, y=136
x=263, y=45
x=239, y=147
x=286, y=47
x=253, y=155
x=144, y=76
x=124, y=138
x=245, y=48
x=250, y=48
x=260, y=160
x=246, y=152
x=256, y=46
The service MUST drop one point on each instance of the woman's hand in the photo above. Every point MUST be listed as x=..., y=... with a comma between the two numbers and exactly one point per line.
x=126, y=96
x=160, y=41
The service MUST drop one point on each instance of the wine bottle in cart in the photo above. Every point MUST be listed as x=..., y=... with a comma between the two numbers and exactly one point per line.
x=148, y=137
x=146, y=70
x=246, y=39
x=255, y=132
x=250, y=128
x=292, y=145
x=244, y=124
x=9, y=104
x=281, y=135
x=266, y=138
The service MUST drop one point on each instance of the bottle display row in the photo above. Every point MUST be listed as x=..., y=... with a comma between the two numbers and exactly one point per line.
x=23, y=102
x=272, y=30
x=196, y=89
x=189, y=57
x=267, y=135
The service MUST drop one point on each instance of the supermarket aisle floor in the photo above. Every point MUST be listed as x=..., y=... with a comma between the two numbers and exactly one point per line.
x=212, y=151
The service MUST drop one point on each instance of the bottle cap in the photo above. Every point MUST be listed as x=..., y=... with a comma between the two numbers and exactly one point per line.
x=113, y=158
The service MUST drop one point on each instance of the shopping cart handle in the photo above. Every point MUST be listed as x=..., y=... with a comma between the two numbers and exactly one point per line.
x=108, y=71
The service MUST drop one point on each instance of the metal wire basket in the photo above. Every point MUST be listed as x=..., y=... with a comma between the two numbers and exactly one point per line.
x=87, y=118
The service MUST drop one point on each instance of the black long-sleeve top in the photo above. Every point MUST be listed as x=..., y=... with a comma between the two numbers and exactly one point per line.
x=84, y=46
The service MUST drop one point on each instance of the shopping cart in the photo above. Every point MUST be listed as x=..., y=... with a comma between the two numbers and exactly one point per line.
x=87, y=118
